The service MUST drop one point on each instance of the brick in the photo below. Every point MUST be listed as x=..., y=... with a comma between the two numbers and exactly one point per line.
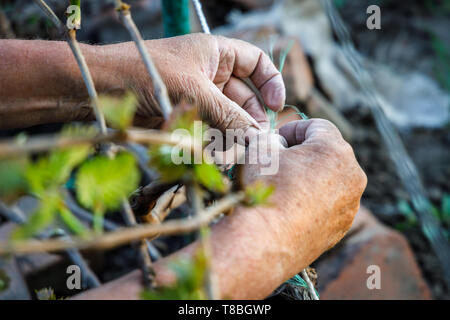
x=343, y=271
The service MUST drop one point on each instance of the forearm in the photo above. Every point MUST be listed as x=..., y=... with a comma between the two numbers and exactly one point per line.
x=40, y=81
x=243, y=252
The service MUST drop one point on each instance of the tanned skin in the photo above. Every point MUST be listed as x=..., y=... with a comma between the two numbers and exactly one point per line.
x=318, y=186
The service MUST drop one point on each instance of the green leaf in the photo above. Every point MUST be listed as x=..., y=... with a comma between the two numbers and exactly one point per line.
x=209, y=176
x=53, y=170
x=42, y=218
x=161, y=160
x=12, y=179
x=258, y=193
x=72, y=222
x=190, y=275
x=102, y=183
x=119, y=112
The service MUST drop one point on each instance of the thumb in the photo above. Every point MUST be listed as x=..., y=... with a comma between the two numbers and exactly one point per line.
x=223, y=113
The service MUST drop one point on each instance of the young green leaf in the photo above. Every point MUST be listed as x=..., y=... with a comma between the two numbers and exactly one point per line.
x=119, y=112
x=258, y=193
x=161, y=160
x=190, y=275
x=41, y=218
x=102, y=183
x=12, y=182
x=209, y=176
x=72, y=222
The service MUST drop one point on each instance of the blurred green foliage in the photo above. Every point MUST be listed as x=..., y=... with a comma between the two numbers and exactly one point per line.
x=190, y=274
x=119, y=112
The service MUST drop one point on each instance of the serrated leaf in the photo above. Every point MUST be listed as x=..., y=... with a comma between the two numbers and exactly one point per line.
x=258, y=193
x=119, y=112
x=209, y=176
x=102, y=183
x=53, y=170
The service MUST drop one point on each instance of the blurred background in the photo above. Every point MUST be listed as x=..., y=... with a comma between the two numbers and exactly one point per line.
x=408, y=64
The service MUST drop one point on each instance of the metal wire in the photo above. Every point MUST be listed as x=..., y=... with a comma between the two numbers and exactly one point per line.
x=406, y=169
x=201, y=16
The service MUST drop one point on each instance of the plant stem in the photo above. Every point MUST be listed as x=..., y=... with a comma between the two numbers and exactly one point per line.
x=41, y=143
x=73, y=44
x=144, y=255
x=159, y=88
x=126, y=235
x=196, y=201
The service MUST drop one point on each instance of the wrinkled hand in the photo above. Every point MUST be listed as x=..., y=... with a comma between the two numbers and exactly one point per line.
x=205, y=70
x=317, y=190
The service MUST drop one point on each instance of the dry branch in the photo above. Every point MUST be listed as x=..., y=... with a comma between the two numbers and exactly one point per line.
x=41, y=143
x=126, y=235
x=159, y=88
x=71, y=39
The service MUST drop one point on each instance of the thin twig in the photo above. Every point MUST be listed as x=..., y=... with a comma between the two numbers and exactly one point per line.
x=196, y=201
x=144, y=254
x=79, y=57
x=11, y=214
x=13, y=147
x=17, y=216
x=169, y=200
x=159, y=88
x=85, y=215
x=126, y=235
x=109, y=225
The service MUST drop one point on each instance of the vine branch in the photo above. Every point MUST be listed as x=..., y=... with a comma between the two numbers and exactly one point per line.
x=126, y=235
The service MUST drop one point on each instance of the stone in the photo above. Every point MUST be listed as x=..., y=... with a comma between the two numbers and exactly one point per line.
x=348, y=270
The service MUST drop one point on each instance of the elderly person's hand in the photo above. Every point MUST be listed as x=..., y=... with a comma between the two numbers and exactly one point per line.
x=206, y=70
x=317, y=192
x=41, y=82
